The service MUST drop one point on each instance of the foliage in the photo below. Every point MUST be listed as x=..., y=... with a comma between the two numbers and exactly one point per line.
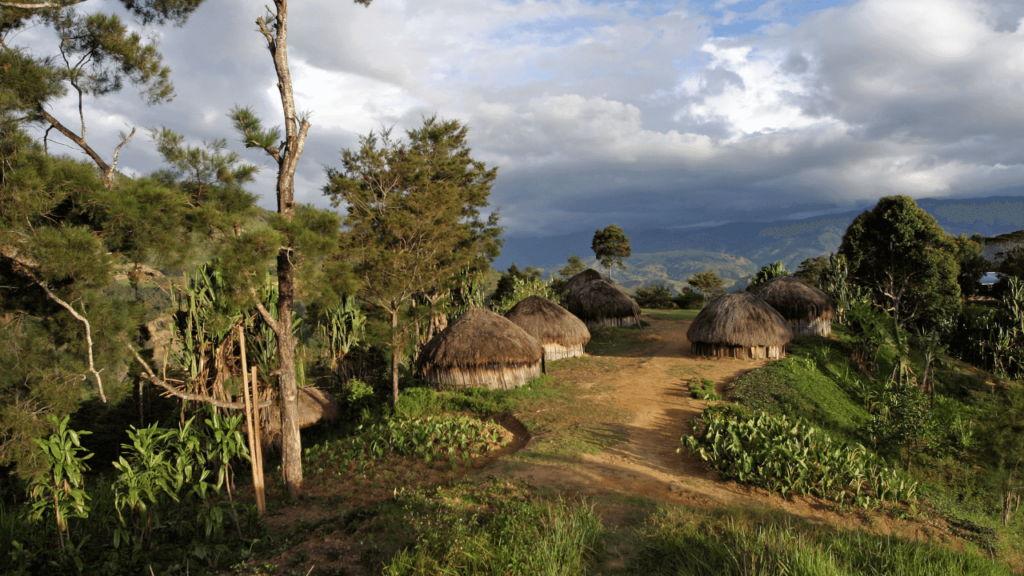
x=899, y=253
x=513, y=277
x=742, y=542
x=413, y=222
x=432, y=439
x=573, y=266
x=836, y=282
x=339, y=329
x=61, y=492
x=971, y=263
x=514, y=537
x=766, y=273
x=687, y=299
x=901, y=417
x=708, y=283
x=703, y=389
x=1006, y=441
x=656, y=296
x=610, y=246
x=789, y=456
x=522, y=289
x=811, y=270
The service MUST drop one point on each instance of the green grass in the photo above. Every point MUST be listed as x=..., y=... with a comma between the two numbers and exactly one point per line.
x=796, y=387
x=747, y=542
x=612, y=341
x=677, y=314
x=703, y=389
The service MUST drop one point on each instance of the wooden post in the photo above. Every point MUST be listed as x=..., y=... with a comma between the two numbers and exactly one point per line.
x=259, y=437
x=255, y=454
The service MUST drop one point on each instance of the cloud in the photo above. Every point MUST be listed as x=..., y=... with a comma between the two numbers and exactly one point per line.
x=633, y=112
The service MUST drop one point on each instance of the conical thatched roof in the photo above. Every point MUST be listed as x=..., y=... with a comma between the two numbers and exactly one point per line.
x=585, y=277
x=739, y=319
x=599, y=302
x=559, y=332
x=481, y=348
x=315, y=405
x=796, y=299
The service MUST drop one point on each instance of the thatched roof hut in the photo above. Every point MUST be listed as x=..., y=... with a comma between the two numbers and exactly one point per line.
x=315, y=406
x=596, y=300
x=808, y=310
x=587, y=276
x=560, y=333
x=481, y=348
x=739, y=325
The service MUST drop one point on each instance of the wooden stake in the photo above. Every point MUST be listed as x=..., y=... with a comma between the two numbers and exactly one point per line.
x=255, y=459
x=262, y=502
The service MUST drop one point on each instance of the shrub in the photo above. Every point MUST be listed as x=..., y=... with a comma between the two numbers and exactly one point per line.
x=656, y=296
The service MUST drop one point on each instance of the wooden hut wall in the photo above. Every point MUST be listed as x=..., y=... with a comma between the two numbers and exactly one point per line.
x=554, y=351
x=816, y=327
x=595, y=323
x=493, y=376
x=741, y=352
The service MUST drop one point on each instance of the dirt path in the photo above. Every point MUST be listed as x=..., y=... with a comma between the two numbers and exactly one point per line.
x=650, y=388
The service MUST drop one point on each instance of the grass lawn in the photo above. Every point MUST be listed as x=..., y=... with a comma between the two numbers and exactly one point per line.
x=670, y=314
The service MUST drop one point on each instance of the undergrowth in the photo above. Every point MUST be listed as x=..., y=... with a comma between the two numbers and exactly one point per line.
x=749, y=542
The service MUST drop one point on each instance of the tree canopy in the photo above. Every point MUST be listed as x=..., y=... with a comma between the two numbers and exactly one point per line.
x=899, y=253
x=413, y=222
x=611, y=245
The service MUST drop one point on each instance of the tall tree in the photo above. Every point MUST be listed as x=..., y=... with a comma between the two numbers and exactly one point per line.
x=413, y=216
x=286, y=154
x=708, y=283
x=611, y=245
x=899, y=253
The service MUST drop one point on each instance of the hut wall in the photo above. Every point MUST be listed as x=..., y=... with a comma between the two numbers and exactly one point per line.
x=493, y=376
x=553, y=351
x=595, y=323
x=816, y=327
x=741, y=352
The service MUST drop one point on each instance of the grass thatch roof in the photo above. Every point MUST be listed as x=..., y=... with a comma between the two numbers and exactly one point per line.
x=593, y=298
x=548, y=322
x=315, y=405
x=479, y=338
x=739, y=319
x=585, y=277
x=796, y=299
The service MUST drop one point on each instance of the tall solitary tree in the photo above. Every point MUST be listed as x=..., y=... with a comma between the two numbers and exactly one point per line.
x=900, y=253
x=611, y=245
x=413, y=222
x=285, y=153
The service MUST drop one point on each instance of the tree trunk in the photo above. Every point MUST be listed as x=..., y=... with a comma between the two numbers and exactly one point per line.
x=291, y=440
x=395, y=355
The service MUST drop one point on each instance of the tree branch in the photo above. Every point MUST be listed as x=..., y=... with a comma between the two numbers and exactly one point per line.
x=149, y=375
x=103, y=166
x=265, y=314
x=32, y=5
x=117, y=151
x=88, y=335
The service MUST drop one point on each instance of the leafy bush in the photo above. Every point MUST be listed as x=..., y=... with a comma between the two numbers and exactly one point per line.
x=789, y=455
x=703, y=389
x=429, y=439
x=522, y=288
x=657, y=296
x=688, y=299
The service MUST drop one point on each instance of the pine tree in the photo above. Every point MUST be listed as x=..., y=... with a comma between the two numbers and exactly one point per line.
x=413, y=222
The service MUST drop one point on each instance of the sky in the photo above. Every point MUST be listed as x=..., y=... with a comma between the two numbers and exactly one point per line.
x=646, y=114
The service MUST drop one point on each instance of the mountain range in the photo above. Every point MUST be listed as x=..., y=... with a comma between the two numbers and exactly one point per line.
x=738, y=249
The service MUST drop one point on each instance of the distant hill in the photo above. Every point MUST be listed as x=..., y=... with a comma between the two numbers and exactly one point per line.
x=737, y=250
